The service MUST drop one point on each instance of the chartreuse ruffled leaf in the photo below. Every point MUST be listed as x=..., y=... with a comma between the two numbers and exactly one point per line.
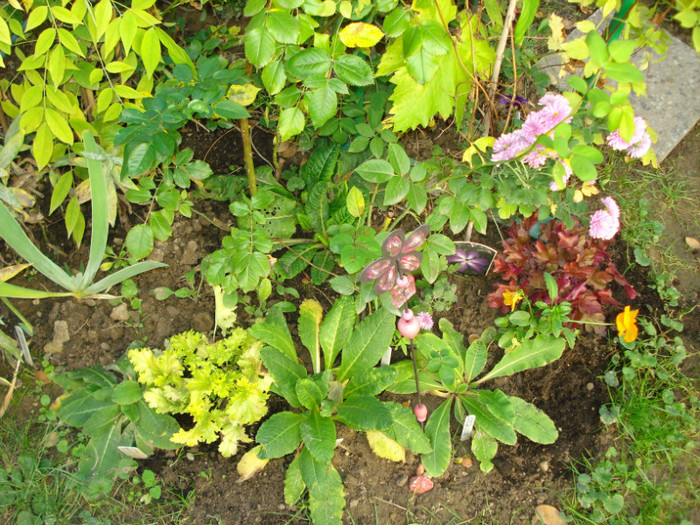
x=532, y=353
x=280, y=435
x=368, y=342
x=337, y=328
x=438, y=430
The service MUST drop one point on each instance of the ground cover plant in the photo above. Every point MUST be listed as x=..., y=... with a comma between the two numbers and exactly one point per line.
x=335, y=238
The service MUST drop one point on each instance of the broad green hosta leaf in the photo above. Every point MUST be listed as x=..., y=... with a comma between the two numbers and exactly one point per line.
x=279, y=435
x=318, y=434
x=337, y=328
x=385, y=447
x=368, y=342
x=532, y=353
x=438, y=430
x=532, y=422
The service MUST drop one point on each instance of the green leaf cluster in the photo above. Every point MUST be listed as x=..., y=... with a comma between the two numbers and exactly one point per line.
x=342, y=389
x=221, y=385
x=453, y=369
x=112, y=413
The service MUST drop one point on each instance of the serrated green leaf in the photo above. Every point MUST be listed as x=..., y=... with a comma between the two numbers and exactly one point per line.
x=273, y=331
x=353, y=70
x=283, y=26
x=279, y=435
x=285, y=371
x=532, y=422
x=318, y=434
x=396, y=189
x=274, y=77
x=259, y=46
x=532, y=353
x=127, y=392
x=368, y=342
x=291, y=123
x=375, y=170
x=371, y=382
x=323, y=264
x=438, y=431
x=61, y=190
x=323, y=104
x=484, y=448
x=309, y=62
x=293, y=483
x=406, y=431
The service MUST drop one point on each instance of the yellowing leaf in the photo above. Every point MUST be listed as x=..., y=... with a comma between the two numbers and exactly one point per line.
x=478, y=145
x=360, y=34
x=385, y=447
x=244, y=95
x=556, y=24
x=225, y=316
x=587, y=189
x=250, y=464
x=10, y=271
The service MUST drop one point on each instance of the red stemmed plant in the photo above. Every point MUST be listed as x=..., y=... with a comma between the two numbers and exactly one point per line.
x=581, y=266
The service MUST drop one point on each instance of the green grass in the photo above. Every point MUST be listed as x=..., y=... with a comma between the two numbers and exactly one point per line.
x=648, y=474
x=37, y=458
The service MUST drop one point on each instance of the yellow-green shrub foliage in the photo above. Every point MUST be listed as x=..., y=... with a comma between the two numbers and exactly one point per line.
x=222, y=385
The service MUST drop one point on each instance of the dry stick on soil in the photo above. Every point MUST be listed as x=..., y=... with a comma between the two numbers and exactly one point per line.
x=248, y=156
x=8, y=396
x=500, y=50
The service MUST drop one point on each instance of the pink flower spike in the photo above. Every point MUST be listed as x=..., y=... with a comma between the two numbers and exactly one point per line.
x=420, y=484
x=611, y=205
x=425, y=320
x=603, y=225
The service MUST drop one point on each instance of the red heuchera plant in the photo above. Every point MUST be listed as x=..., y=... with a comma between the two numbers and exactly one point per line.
x=581, y=266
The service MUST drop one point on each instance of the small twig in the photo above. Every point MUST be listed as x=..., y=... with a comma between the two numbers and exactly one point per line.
x=391, y=503
x=248, y=157
x=500, y=50
x=8, y=396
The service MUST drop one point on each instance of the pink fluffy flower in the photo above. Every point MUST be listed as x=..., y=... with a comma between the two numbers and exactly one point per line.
x=638, y=145
x=538, y=156
x=510, y=145
x=556, y=109
x=611, y=205
x=425, y=320
x=603, y=225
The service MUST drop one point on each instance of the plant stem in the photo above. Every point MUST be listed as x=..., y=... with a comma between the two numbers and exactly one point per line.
x=415, y=375
x=248, y=156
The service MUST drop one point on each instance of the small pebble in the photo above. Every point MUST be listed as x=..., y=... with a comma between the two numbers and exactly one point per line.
x=401, y=480
x=544, y=466
x=590, y=386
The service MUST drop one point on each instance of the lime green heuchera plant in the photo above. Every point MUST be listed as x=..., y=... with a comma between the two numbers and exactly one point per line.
x=222, y=385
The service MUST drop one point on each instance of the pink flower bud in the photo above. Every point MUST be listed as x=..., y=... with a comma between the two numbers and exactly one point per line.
x=408, y=325
x=421, y=412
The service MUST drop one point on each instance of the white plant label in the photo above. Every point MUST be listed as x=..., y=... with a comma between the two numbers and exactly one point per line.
x=386, y=358
x=468, y=427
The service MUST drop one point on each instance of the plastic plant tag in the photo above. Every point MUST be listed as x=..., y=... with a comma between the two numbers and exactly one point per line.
x=386, y=358
x=468, y=427
x=133, y=452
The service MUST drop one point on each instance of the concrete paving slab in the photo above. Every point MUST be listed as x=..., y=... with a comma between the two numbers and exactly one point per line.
x=672, y=102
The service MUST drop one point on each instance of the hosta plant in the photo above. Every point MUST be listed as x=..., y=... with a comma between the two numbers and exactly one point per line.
x=341, y=388
x=220, y=385
x=581, y=267
x=450, y=370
